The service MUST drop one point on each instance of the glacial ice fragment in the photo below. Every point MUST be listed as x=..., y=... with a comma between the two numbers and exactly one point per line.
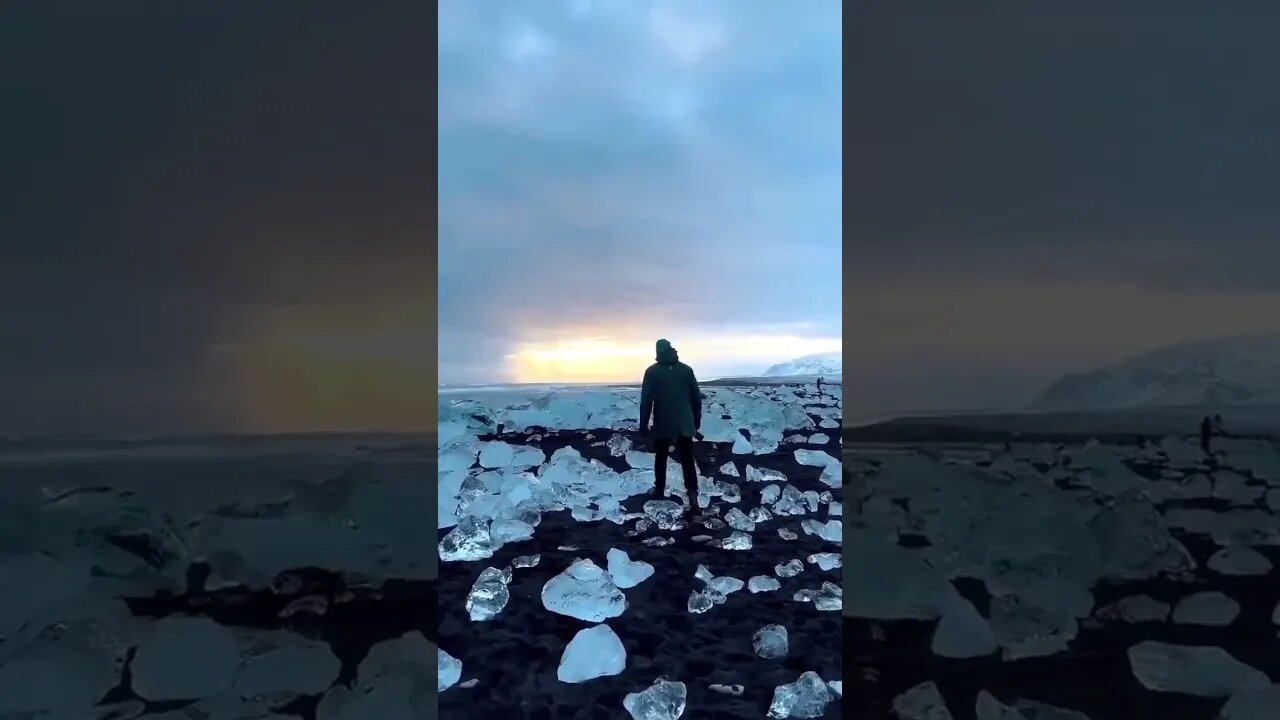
x=664, y=700
x=625, y=571
x=807, y=697
x=584, y=591
x=770, y=642
x=593, y=652
x=488, y=596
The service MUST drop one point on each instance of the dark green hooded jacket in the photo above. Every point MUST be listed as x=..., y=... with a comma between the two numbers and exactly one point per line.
x=670, y=393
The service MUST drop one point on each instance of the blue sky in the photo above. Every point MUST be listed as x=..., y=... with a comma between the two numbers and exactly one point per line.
x=614, y=172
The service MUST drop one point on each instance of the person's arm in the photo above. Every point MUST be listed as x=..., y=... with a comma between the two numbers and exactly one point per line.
x=695, y=399
x=646, y=400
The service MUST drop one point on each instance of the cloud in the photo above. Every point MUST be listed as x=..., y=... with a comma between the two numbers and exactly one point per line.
x=1116, y=144
x=1038, y=190
x=159, y=210
x=658, y=165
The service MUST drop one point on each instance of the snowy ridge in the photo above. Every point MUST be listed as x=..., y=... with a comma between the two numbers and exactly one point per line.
x=1242, y=370
x=819, y=364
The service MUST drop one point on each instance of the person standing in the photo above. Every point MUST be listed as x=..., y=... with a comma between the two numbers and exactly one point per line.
x=669, y=395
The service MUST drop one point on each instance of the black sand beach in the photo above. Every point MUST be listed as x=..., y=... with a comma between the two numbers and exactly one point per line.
x=1094, y=675
x=515, y=655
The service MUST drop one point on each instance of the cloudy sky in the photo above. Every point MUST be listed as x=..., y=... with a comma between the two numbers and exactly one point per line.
x=216, y=216
x=1043, y=187
x=616, y=171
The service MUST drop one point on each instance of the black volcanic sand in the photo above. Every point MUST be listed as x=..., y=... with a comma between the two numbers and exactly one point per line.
x=357, y=617
x=515, y=655
x=1093, y=675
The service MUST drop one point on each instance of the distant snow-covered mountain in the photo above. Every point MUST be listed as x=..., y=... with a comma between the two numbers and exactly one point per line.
x=820, y=364
x=1241, y=370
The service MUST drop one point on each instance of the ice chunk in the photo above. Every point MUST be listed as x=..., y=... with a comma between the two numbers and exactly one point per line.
x=584, y=591
x=509, y=530
x=618, y=445
x=1193, y=670
x=459, y=458
x=729, y=469
x=813, y=458
x=1239, y=560
x=922, y=702
x=526, y=561
x=989, y=708
x=735, y=690
x=762, y=583
x=470, y=540
x=488, y=596
x=791, y=502
x=1135, y=608
x=700, y=602
x=1026, y=629
x=813, y=499
x=625, y=571
x=737, y=540
x=807, y=697
x=594, y=652
x=826, y=561
x=831, y=474
x=819, y=439
x=728, y=492
x=759, y=515
x=293, y=665
x=962, y=632
x=831, y=530
x=835, y=509
x=448, y=670
x=162, y=669
x=496, y=454
x=640, y=460
x=726, y=585
x=769, y=494
x=44, y=581
x=658, y=541
x=786, y=534
x=1252, y=705
x=526, y=457
x=742, y=446
x=837, y=687
x=1206, y=608
x=790, y=568
x=738, y=520
x=770, y=642
x=58, y=670
x=408, y=656
x=665, y=513
x=703, y=573
x=829, y=597
x=765, y=475
x=664, y=700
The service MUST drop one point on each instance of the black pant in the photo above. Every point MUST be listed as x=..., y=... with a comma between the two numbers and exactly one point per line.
x=684, y=453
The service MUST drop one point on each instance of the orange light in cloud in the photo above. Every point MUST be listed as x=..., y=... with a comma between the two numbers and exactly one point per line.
x=608, y=360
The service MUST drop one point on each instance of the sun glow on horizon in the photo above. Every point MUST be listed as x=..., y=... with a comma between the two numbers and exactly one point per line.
x=611, y=360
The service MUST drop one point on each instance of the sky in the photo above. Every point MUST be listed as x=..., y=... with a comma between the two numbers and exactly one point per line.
x=619, y=171
x=216, y=217
x=1042, y=188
